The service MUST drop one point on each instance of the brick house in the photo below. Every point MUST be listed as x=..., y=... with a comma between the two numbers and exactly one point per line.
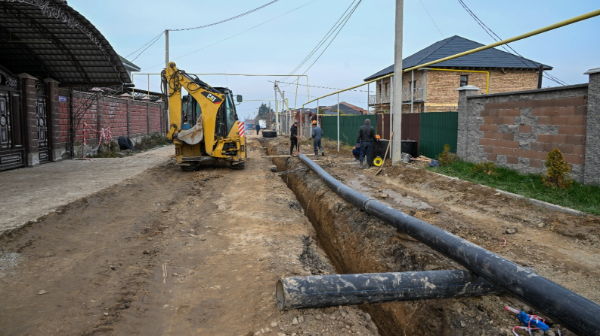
x=434, y=88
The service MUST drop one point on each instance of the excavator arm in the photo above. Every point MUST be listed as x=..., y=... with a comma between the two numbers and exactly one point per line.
x=209, y=99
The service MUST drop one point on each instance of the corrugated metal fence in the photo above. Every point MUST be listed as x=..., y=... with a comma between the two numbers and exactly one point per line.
x=349, y=126
x=432, y=130
x=438, y=129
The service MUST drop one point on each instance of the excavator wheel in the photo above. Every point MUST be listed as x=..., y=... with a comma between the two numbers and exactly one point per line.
x=189, y=168
x=239, y=166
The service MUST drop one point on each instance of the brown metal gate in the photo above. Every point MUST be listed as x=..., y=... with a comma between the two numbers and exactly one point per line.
x=42, y=123
x=12, y=151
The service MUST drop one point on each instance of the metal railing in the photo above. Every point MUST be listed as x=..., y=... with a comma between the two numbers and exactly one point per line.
x=385, y=98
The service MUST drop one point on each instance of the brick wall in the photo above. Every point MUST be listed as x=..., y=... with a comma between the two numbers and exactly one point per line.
x=145, y=118
x=518, y=129
x=441, y=94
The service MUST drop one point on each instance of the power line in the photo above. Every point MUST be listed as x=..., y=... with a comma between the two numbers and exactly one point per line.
x=507, y=47
x=232, y=36
x=151, y=44
x=152, y=40
x=331, y=30
x=316, y=86
x=336, y=34
x=432, y=20
x=226, y=20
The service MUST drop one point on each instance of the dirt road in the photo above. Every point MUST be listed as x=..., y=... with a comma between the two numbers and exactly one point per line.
x=169, y=253
x=48, y=186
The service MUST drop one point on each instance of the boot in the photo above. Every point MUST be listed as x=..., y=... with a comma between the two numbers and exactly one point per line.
x=322, y=153
x=316, y=153
x=361, y=166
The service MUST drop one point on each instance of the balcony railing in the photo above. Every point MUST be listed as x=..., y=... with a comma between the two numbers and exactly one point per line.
x=385, y=98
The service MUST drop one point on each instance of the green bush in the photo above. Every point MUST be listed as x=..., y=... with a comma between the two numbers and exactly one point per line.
x=445, y=158
x=557, y=174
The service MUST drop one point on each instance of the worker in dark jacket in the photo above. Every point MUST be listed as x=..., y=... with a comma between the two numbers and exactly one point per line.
x=257, y=128
x=317, y=134
x=366, y=136
x=293, y=137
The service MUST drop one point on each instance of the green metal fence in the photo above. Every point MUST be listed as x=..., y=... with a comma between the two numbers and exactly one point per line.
x=438, y=129
x=349, y=126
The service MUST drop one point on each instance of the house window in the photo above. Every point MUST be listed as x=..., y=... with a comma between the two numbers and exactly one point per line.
x=386, y=88
x=464, y=80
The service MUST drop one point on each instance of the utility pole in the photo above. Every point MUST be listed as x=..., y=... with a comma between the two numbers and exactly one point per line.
x=276, y=114
x=166, y=66
x=166, y=48
x=397, y=99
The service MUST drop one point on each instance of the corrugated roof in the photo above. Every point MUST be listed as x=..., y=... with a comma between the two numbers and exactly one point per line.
x=129, y=65
x=50, y=39
x=486, y=59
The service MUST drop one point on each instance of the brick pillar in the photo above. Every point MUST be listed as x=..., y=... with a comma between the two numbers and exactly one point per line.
x=54, y=118
x=128, y=118
x=99, y=114
x=464, y=120
x=29, y=108
x=591, y=166
x=148, y=116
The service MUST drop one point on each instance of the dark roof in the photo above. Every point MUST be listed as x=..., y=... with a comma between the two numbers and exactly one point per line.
x=485, y=59
x=345, y=108
x=50, y=39
x=129, y=65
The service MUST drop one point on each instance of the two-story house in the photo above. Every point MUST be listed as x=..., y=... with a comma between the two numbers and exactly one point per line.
x=434, y=88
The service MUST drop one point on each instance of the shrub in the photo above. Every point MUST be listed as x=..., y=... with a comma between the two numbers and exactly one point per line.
x=445, y=158
x=485, y=167
x=557, y=174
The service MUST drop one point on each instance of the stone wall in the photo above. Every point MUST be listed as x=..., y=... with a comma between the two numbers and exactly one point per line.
x=518, y=129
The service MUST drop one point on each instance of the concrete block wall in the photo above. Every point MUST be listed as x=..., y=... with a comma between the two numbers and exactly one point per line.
x=518, y=129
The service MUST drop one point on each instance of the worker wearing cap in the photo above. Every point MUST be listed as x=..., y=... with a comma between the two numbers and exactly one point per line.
x=366, y=136
x=293, y=137
x=317, y=134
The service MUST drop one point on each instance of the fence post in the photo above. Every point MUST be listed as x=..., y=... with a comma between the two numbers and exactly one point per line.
x=463, y=120
x=338, y=121
x=591, y=168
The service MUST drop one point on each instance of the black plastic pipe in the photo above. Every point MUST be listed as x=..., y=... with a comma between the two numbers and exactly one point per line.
x=352, y=289
x=571, y=310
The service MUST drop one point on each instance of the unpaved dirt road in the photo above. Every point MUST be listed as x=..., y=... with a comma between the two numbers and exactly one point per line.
x=169, y=253
x=44, y=188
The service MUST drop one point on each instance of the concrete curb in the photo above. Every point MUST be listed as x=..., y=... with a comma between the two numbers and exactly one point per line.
x=535, y=202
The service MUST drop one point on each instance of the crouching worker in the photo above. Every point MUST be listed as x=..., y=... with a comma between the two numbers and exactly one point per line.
x=317, y=134
x=356, y=151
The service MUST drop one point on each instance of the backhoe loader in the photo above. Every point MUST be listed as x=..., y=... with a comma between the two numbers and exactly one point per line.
x=208, y=128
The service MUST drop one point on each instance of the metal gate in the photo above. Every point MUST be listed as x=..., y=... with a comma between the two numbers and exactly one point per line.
x=42, y=123
x=12, y=152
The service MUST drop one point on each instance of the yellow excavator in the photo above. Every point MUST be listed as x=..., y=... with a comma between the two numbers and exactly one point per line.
x=204, y=124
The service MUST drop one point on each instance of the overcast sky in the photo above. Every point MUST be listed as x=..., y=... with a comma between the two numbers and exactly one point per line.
x=363, y=47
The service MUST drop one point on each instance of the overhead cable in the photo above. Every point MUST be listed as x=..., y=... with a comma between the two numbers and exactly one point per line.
x=151, y=44
x=432, y=20
x=507, y=47
x=226, y=20
x=232, y=36
x=151, y=41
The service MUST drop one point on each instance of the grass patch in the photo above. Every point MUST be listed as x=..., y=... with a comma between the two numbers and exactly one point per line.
x=152, y=141
x=577, y=196
x=146, y=143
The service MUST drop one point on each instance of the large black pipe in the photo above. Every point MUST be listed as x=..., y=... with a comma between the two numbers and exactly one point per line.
x=352, y=289
x=573, y=311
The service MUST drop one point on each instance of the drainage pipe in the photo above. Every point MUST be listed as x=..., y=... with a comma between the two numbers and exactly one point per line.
x=571, y=310
x=352, y=289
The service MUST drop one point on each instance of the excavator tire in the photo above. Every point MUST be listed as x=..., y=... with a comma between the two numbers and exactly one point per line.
x=189, y=168
x=269, y=134
x=239, y=166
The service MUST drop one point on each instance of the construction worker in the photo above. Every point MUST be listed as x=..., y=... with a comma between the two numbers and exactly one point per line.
x=257, y=128
x=293, y=137
x=366, y=136
x=317, y=134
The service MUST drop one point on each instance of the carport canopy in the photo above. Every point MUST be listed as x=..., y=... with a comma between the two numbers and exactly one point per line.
x=48, y=38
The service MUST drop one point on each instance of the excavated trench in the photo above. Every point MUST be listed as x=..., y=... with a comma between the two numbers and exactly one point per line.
x=356, y=242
